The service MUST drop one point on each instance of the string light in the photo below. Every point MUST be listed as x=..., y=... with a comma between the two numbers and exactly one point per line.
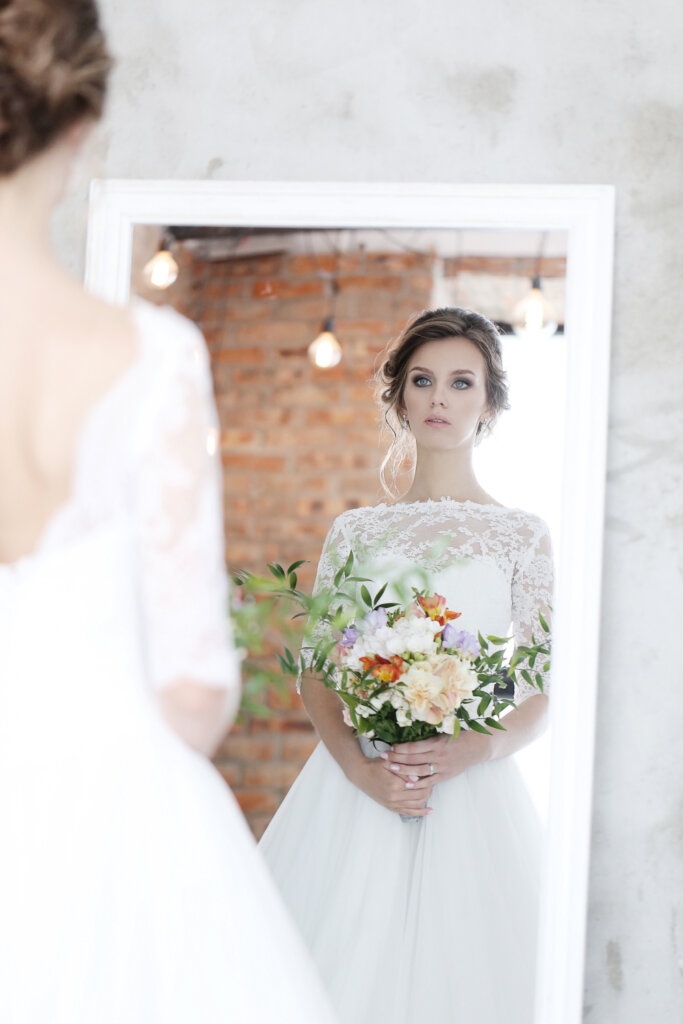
x=325, y=351
x=162, y=270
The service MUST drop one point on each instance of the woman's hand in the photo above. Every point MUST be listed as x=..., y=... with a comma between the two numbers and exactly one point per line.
x=403, y=795
x=436, y=759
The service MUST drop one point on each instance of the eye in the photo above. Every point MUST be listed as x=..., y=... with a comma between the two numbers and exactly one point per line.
x=461, y=380
x=421, y=381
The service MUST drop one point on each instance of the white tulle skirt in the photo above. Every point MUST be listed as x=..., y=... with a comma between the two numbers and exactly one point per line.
x=414, y=922
x=132, y=891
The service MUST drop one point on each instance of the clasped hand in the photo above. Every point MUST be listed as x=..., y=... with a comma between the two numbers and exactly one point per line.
x=418, y=766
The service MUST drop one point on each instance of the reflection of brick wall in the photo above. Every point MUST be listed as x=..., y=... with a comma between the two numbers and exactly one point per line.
x=299, y=444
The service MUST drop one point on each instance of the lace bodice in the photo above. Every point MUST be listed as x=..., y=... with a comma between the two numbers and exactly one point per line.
x=494, y=564
x=146, y=484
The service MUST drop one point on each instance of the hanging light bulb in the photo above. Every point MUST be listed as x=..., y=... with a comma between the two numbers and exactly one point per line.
x=162, y=270
x=534, y=316
x=325, y=351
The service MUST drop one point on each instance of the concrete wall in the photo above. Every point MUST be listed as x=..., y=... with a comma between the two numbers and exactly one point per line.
x=492, y=92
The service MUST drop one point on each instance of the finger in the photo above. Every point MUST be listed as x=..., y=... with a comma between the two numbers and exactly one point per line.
x=415, y=812
x=410, y=770
x=407, y=758
x=423, y=784
x=417, y=746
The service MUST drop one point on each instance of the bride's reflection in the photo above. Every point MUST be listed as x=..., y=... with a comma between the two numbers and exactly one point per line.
x=301, y=448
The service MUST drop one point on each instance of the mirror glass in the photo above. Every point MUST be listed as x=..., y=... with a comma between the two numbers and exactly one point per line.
x=296, y=321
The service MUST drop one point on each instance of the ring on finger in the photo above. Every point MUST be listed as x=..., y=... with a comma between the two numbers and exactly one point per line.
x=431, y=769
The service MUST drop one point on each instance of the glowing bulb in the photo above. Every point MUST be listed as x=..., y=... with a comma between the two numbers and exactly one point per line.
x=325, y=351
x=534, y=314
x=161, y=271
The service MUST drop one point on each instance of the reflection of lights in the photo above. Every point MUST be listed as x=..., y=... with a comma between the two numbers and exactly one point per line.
x=212, y=441
x=161, y=271
x=534, y=316
x=325, y=351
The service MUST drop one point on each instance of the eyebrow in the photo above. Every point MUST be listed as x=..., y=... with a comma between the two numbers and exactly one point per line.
x=423, y=369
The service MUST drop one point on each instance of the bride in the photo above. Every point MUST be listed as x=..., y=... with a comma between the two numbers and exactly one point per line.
x=433, y=919
x=130, y=888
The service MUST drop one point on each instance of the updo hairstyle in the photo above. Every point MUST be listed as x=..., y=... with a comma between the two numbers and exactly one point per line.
x=390, y=379
x=53, y=72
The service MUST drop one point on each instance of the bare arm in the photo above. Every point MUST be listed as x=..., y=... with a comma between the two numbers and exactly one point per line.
x=200, y=715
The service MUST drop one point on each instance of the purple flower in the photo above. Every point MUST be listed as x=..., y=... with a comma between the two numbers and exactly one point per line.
x=460, y=638
x=350, y=636
x=375, y=619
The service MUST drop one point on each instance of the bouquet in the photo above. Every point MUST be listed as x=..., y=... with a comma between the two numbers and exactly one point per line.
x=403, y=669
x=408, y=673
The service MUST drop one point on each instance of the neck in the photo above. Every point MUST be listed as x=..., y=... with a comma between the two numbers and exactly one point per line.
x=27, y=199
x=445, y=474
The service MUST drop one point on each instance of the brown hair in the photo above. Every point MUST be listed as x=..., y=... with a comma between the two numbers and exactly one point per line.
x=53, y=73
x=447, y=322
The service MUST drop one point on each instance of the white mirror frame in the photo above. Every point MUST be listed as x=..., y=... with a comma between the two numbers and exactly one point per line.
x=586, y=212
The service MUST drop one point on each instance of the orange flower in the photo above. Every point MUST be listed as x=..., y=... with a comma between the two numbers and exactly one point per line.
x=435, y=608
x=385, y=671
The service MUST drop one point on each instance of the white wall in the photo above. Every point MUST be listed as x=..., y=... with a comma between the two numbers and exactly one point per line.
x=494, y=91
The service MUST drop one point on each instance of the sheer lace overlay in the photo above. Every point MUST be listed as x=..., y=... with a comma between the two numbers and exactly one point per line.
x=178, y=501
x=492, y=560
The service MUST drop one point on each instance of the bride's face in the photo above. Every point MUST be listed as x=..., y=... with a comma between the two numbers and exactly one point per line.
x=445, y=393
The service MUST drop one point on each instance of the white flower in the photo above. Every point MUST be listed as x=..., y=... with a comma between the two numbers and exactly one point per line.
x=448, y=725
x=402, y=717
x=380, y=699
x=363, y=711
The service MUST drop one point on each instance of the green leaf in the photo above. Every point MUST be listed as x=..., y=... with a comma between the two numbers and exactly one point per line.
x=365, y=594
x=292, y=580
x=545, y=625
x=483, y=704
x=495, y=724
x=478, y=727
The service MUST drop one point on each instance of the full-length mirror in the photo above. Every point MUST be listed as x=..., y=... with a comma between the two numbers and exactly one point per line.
x=298, y=291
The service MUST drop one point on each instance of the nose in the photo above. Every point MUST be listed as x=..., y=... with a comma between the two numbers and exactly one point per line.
x=438, y=399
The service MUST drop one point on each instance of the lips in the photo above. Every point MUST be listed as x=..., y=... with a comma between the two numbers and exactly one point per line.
x=438, y=421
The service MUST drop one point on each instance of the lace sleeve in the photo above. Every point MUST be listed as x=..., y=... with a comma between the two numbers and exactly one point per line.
x=532, y=592
x=179, y=522
x=334, y=554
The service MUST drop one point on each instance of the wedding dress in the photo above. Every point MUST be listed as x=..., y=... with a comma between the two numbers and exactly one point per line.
x=433, y=920
x=130, y=888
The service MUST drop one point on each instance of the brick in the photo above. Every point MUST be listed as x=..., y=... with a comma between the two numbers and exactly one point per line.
x=329, y=507
x=271, y=333
x=315, y=311
x=341, y=416
x=254, y=266
x=385, y=283
x=298, y=748
x=240, y=355
x=281, y=288
x=262, y=463
x=270, y=775
x=247, y=748
x=398, y=261
x=233, y=438
x=256, y=800
x=288, y=721
x=232, y=773
x=310, y=264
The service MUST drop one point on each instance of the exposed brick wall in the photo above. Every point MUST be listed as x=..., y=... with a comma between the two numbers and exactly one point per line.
x=299, y=444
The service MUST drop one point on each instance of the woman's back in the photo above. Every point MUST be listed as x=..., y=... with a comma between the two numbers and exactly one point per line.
x=59, y=357
x=129, y=887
